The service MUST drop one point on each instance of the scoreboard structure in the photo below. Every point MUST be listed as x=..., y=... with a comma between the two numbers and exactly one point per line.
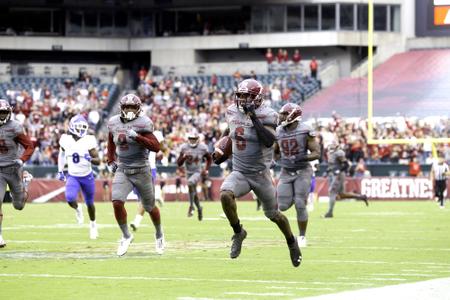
x=432, y=18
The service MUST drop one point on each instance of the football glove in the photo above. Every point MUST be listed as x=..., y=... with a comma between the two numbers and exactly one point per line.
x=18, y=162
x=249, y=110
x=132, y=134
x=87, y=157
x=61, y=176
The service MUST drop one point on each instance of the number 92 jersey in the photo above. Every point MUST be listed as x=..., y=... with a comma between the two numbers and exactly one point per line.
x=77, y=152
x=249, y=154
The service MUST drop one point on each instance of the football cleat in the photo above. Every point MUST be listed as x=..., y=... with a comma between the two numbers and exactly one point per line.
x=237, y=239
x=190, y=211
x=93, y=232
x=295, y=253
x=364, y=198
x=302, y=243
x=124, y=243
x=328, y=215
x=160, y=244
x=133, y=227
x=79, y=214
x=2, y=242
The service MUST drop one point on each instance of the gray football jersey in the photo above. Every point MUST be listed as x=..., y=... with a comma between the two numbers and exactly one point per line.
x=194, y=160
x=294, y=145
x=9, y=149
x=130, y=153
x=249, y=155
x=333, y=162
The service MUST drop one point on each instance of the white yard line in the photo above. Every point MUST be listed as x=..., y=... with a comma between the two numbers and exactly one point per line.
x=260, y=294
x=300, y=288
x=252, y=281
x=436, y=289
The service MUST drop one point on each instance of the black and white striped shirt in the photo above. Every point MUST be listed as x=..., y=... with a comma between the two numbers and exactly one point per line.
x=439, y=171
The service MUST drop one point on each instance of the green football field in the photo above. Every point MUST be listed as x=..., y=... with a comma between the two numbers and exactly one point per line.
x=49, y=256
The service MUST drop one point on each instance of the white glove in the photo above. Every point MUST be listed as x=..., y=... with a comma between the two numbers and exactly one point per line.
x=132, y=134
x=18, y=162
x=112, y=167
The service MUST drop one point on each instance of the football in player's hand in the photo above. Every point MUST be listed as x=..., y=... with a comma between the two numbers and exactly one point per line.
x=223, y=147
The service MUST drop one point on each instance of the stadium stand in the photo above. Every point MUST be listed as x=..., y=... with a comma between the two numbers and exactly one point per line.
x=413, y=83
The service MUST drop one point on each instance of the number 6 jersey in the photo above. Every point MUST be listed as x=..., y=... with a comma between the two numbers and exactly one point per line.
x=75, y=153
x=249, y=154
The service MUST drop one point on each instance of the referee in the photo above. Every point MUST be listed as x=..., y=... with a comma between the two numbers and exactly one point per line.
x=439, y=173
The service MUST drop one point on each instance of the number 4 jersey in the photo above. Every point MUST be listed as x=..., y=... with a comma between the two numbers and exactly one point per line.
x=76, y=153
x=249, y=154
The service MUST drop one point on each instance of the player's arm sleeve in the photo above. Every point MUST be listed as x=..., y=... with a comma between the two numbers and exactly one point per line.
x=27, y=144
x=208, y=158
x=149, y=141
x=61, y=160
x=266, y=133
x=181, y=158
x=111, y=154
x=276, y=151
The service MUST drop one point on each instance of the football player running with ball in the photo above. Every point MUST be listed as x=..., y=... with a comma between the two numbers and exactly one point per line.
x=130, y=139
x=78, y=150
x=295, y=149
x=11, y=135
x=192, y=155
x=251, y=127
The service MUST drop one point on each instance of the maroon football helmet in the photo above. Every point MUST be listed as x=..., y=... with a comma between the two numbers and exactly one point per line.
x=130, y=107
x=5, y=111
x=248, y=91
x=289, y=113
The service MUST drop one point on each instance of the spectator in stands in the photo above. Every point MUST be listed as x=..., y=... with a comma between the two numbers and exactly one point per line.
x=253, y=75
x=142, y=73
x=269, y=56
x=296, y=57
x=313, y=66
x=414, y=167
x=285, y=56
x=237, y=77
x=214, y=79
x=280, y=56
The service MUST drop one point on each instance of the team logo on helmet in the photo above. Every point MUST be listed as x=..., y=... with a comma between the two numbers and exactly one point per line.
x=248, y=91
x=130, y=107
x=289, y=113
x=78, y=126
x=5, y=111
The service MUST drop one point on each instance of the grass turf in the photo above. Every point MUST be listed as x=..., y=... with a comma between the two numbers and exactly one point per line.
x=49, y=256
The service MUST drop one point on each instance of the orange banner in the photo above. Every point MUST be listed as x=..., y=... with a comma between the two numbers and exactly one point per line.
x=441, y=15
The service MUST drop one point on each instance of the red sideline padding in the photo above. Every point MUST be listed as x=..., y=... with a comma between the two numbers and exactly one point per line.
x=383, y=188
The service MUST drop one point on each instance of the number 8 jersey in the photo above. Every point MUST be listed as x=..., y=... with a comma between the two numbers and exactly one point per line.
x=249, y=154
x=77, y=152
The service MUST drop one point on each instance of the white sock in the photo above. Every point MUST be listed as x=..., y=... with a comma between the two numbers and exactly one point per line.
x=137, y=220
x=80, y=208
x=93, y=224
